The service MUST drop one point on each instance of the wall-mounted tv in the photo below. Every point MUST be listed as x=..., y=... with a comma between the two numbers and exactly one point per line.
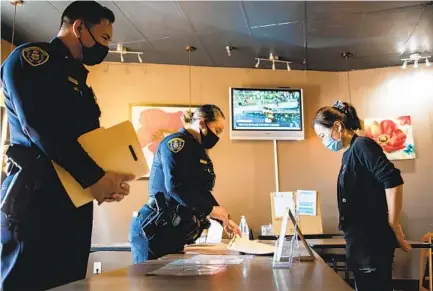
x=266, y=114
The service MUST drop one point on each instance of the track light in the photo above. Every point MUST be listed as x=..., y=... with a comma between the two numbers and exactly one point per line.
x=121, y=50
x=273, y=59
x=415, y=58
x=258, y=63
x=229, y=50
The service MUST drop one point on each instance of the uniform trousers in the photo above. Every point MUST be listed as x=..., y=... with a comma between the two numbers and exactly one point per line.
x=165, y=241
x=50, y=246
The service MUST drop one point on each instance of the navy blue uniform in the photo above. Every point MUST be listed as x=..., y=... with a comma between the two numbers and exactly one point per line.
x=363, y=178
x=49, y=106
x=183, y=171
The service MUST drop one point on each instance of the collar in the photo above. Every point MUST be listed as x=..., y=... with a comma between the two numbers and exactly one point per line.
x=355, y=136
x=189, y=134
x=184, y=130
x=64, y=51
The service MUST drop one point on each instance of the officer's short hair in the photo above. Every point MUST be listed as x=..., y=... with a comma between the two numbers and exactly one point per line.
x=91, y=12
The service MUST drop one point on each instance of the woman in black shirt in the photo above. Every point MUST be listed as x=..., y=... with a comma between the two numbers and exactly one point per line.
x=369, y=191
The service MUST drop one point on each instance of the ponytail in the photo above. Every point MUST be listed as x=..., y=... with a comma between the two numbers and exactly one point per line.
x=351, y=120
x=187, y=117
x=209, y=112
x=340, y=111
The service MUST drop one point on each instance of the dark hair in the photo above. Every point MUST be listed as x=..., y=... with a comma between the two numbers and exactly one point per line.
x=91, y=12
x=340, y=111
x=209, y=112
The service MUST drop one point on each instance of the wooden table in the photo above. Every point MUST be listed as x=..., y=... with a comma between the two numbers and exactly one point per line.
x=337, y=243
x=254, y=274
x=328, y=243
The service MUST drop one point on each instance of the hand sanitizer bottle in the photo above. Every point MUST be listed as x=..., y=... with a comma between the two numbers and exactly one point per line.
x=244, y=228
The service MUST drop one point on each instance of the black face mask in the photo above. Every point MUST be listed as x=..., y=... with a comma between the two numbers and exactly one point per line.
x=95, y=54
x=210, y=139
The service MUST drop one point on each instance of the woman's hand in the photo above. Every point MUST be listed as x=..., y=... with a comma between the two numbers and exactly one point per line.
x=404, y=245
x=220, y=213
x=232, y=229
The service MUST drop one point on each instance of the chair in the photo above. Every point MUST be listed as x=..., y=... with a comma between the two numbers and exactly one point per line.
x=426, y=271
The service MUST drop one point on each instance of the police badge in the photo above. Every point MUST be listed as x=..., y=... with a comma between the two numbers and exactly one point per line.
x=176, y=144
x=35, y=56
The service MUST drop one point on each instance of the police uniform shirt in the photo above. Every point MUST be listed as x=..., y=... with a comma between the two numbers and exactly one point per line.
x=365, y=174
x=49, y=105
x=184, y=172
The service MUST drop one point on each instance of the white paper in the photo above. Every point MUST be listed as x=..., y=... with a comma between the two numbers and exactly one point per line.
x=212, y=260
x=188, y=270
x=307, y=202
x=214, y=233
x=244, y=245
x=283, y=200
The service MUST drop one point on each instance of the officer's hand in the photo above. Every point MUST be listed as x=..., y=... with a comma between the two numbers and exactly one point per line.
x=111, y=183
x=232, y=229
x=220, y=213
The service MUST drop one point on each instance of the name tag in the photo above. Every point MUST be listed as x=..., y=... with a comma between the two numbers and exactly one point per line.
x=73, y=80
x=203, y=162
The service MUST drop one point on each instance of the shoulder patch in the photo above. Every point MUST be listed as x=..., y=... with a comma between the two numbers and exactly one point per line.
x=35, y=56
x=176, y=144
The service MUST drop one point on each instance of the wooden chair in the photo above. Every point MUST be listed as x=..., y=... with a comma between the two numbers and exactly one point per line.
x=426, y=270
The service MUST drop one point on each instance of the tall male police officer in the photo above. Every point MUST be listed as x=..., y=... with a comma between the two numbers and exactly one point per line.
x=45, y=239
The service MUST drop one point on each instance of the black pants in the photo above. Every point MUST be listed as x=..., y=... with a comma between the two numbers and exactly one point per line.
x=370, y=257
x=50, y=246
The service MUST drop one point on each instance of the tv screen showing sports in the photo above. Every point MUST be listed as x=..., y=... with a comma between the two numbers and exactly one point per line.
x=258, y=113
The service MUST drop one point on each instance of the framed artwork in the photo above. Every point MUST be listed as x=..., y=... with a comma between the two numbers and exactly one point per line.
x=153, y=122
x=394, y=135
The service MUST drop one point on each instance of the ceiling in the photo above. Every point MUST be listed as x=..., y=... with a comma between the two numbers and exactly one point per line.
x=310, y=34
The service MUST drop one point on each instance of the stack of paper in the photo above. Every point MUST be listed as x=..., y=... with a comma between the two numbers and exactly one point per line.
x=246, y=246
x=212, y=260
x=188, y=270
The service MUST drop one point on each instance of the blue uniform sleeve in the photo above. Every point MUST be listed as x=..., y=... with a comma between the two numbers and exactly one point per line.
x=37, y=95
x=372, y=157
x=175, y=159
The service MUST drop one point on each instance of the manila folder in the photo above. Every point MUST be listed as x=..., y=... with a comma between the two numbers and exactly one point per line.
x=114, y=149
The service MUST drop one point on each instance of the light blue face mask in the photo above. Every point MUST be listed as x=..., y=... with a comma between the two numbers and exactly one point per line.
x=332, y=144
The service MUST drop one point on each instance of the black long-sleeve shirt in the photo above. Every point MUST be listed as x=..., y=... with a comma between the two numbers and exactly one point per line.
x=365, y=174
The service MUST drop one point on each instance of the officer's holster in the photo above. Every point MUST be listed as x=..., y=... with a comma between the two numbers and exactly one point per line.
x=170, y=226
x=29, y=168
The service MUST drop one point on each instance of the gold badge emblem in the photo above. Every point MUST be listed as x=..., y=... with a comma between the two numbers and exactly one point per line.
x=35, y=56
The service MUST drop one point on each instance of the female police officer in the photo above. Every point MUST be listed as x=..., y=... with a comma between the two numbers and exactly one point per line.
x=183, y=172
x=369, y=191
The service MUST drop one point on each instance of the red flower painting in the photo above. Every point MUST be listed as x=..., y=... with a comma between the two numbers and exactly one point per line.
x=153, y=123
x=394, y=135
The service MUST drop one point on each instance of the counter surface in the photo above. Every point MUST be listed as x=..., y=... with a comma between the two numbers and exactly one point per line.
x=254, y=274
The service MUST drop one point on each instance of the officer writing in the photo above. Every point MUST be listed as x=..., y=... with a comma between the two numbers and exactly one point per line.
x=182, y=173
x=370, y=195
x=45, y=239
